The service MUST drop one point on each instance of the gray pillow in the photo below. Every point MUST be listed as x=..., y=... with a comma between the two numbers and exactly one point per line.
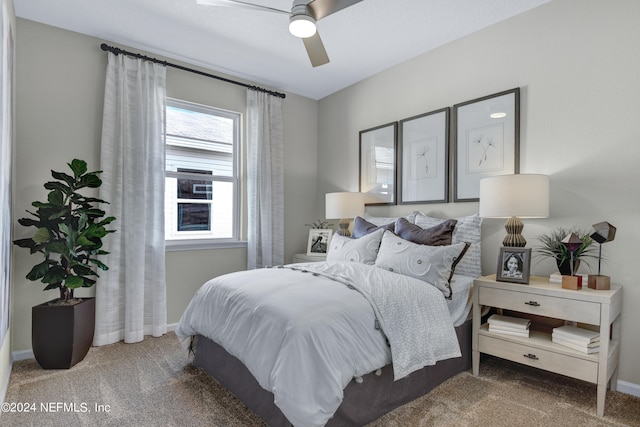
x=438, y=235
x=432, y=264
x=467, y=230
x=363, y=250
x=362, y=227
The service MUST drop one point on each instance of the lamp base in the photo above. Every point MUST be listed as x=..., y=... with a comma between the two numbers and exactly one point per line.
x=344, y=228
x=598, y=282
x=514, y=238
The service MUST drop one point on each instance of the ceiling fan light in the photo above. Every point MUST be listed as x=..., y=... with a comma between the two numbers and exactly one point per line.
x=302, y=26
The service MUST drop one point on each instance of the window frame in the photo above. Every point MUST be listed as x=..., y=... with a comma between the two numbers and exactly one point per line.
x=235, y=179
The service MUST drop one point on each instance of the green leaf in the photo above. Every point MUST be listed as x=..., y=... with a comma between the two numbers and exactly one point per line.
x=90, y=180
x=64, y=177
x=24, y=243
x=38, y=271
x=56, y=185
x=73, y=282
x=29, y=222
x=55, y=274
x=42, y=235
x=98, y=264
x=79, y=167
x=83, y=270
x=56, y=198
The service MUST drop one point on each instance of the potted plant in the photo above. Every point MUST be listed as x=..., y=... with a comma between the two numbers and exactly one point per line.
x=551, y=246
x=69, y=231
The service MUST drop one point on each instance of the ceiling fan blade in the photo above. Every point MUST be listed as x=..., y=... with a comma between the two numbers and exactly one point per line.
x=322, y=8
x=315, y=50
x=240, y=4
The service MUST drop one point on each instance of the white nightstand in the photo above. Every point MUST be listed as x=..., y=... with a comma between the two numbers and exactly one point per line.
x=588, y=306
x=308, y=258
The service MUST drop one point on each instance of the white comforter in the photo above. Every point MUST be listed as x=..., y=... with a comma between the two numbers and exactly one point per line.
x=305, y=330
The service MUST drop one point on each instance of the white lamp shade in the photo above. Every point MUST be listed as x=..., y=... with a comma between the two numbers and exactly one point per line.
x=344, y=205
x=520, y=195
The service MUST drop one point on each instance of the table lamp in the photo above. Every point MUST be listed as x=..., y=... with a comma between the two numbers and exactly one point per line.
x=344, y=206
x=514, y=197
x=602, y=232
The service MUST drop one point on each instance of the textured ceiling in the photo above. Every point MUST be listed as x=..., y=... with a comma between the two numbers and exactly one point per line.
x=361, y=41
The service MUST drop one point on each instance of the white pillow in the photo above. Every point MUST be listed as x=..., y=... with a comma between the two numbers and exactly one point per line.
x=363, y=250
x=466, y=230
x=432, y=264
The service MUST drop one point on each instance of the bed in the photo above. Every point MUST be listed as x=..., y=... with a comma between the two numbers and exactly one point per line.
x=344, y=341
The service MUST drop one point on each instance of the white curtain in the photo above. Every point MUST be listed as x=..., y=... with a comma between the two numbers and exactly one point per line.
x=131, y=295
x=265, y=186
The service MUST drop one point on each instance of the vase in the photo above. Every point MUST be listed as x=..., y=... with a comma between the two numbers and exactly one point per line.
x=564, y=267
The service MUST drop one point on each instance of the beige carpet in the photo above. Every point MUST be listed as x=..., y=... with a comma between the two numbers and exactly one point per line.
x=153, y=384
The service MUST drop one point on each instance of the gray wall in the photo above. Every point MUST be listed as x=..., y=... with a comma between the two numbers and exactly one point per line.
x=577, y=63
x=60, y=87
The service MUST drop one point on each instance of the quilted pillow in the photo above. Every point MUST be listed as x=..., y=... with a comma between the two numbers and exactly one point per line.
x=432, y=264
x=363, y=250
x=362, y=227
x=438, y=235
x=467, y=230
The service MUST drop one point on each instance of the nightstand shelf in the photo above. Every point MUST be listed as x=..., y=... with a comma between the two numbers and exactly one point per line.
x=542, y=298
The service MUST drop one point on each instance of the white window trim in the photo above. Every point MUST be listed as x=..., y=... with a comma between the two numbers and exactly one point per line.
x=222, y=243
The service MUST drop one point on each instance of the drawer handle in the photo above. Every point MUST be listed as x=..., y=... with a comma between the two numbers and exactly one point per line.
x=531, y=356
x=532, y=303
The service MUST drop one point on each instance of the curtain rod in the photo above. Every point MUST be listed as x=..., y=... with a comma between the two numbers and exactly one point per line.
x=117, y=51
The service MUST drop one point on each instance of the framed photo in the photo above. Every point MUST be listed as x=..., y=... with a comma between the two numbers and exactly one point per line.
x=424, y=158
x=318, y=242
x=486, y=141
x=514, y=265
x=378, y=164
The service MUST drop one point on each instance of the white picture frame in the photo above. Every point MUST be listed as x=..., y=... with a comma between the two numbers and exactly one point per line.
x=318, y=242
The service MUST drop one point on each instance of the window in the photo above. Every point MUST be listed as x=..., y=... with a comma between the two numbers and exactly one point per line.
x=202, y=185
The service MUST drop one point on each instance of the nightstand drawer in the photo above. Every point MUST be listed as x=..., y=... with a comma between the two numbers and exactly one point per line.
x=538, y=358
x=542, y=305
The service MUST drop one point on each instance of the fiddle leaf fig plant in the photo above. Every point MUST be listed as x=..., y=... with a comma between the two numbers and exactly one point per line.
x=69, y=232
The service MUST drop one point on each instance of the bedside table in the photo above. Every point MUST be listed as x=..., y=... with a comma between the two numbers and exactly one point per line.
x=308, y=258
x=600, y=308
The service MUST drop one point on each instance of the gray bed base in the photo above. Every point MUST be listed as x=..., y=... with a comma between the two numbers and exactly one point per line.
x=362, y=403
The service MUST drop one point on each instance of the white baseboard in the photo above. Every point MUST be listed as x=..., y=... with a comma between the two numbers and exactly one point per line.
x=628, y=388
x=22, y=355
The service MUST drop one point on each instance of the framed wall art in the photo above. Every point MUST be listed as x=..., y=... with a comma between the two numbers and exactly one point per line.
x=423, y=154
x=318, y=242
x=514, y=265
x=486, y=141
x=378, y=164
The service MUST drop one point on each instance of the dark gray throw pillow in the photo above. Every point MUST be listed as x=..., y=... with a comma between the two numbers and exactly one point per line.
x=438, y=235
x=362, y=227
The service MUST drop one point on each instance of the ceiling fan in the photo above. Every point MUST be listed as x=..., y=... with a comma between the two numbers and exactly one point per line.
x=302, y=20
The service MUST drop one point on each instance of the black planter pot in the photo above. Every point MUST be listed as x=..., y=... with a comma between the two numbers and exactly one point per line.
x=61, y=335
x=565, y=267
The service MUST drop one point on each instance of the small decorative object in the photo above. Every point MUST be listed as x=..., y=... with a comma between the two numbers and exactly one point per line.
x=378, y=164
x=573, y=243
x=514, y=197
x=514, y=265
x=551, y=246
x=602, y=232
x=423, y=158
x=486, y=138
x=318, y=242
x=345, y=206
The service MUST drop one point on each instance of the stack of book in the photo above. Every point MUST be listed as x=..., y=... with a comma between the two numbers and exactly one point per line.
x=509, y=325
x=557, y=277
x=576, y=338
